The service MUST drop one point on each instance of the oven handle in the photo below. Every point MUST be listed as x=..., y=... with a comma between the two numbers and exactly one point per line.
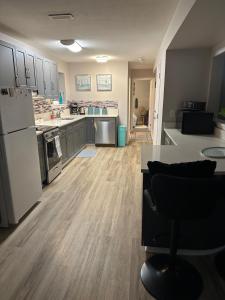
x=49, y=140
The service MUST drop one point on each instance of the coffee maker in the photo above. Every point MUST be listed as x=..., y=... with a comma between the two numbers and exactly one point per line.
x=74, y=109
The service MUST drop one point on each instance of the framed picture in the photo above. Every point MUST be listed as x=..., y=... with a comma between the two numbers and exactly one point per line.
x=104, y=82
x=83, y=82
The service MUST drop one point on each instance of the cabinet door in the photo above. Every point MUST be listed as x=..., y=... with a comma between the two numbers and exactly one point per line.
x=63, y=143
x=30, y=71
x=70, y=141
x=90, y=131
x=83, y=133
x=40, y=76
x=47, y=78
x=7, y=69
x=42, y=159
x=54, y=80
x=21, y=67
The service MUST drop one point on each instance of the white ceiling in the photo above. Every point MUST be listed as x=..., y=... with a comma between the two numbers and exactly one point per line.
x=124, y=30
x=203, y=27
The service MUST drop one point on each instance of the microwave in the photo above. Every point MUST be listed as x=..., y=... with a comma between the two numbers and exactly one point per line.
x=198, y=122
x=194, y=105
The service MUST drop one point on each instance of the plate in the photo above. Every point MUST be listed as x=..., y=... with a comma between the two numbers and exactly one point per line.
x=214, y=152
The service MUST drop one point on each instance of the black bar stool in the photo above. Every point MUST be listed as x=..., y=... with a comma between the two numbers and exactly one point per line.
x=168, y=277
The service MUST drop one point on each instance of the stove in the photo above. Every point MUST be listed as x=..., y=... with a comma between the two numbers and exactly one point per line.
x=52, y=150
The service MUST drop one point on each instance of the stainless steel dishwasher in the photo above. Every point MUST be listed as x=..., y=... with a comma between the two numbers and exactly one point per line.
x=105, y=131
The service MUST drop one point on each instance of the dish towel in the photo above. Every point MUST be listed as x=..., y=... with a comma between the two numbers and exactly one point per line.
x=58, y=146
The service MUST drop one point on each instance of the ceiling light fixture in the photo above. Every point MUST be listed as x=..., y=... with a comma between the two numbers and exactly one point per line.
x=61, y=16
x=141, y=60
x=72, y=45
x=102, y=58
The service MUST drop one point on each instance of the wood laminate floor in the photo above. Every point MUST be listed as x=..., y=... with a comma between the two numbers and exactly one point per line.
x=82, y=241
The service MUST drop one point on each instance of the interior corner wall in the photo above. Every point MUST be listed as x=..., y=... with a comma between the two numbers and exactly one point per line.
x=186, y=78
x=216, y=83
x=119, y=93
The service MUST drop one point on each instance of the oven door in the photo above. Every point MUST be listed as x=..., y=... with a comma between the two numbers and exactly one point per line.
x=53, y=156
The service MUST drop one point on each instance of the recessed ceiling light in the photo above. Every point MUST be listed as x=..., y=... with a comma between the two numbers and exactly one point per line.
x=141, y=60
x=102, y=58
x=72, y=45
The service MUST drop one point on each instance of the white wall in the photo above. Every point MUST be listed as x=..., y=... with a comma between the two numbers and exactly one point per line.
x=186, y=78
x=119, y=93
x=142, y=89
x=142, y=73
x=62, y=66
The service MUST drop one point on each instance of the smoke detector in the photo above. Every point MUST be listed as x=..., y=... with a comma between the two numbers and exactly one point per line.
x=61, y=16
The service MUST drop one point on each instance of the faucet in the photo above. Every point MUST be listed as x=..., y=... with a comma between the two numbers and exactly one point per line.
x=58, y=114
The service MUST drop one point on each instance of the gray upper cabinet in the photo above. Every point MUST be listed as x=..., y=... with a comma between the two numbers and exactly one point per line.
x=47, y=78
x=40, y=76
x=7, y=66
x=90, y=131
x=51, y=79
x=30, y=71
x=21, y=68
x=54, y=79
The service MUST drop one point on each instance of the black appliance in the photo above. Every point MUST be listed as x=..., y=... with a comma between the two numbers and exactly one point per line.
x=187, y=123
x=194, y=105
x=197, y=122
x=74, y=109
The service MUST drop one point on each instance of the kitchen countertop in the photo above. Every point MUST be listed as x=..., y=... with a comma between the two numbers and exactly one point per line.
x=186, y=148
x=38, y=132
x=63, y=122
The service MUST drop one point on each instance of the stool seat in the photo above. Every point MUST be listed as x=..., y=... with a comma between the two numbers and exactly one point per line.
x=169, y=277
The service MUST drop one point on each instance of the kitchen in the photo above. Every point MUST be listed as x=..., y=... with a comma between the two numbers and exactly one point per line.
x=74, y=216
x=64, y=131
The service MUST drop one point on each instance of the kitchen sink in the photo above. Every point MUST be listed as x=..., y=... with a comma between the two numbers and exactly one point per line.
x=67, y=118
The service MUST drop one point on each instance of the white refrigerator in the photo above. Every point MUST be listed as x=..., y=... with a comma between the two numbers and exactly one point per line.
x=20, y=179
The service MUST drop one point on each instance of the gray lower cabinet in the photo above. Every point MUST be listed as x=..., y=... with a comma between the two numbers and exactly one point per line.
x=90, y=131
x=63, y=143
x=73, y=137
x=42, y=158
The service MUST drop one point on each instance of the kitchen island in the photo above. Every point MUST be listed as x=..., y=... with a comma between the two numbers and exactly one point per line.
x=181, y=148
x=178, y=148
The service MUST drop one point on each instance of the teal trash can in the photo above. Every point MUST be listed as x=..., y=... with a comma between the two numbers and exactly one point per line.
x=122, y=134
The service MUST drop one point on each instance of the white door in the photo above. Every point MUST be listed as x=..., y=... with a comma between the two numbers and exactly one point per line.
x=16, y=110
x=156, y=107
x=159, y=97
x=152, y=105
x=24, y=179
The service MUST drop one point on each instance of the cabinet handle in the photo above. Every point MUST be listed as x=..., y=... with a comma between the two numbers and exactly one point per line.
x=27, y=72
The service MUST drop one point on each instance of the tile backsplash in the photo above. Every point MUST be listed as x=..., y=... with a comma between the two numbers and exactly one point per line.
x=42, y=105
x=101, y=104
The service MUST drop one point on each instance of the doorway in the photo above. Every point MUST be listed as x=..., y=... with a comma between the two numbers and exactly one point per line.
x=140, y=109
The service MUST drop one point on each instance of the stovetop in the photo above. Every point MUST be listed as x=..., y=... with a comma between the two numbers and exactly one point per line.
x=44, y=128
